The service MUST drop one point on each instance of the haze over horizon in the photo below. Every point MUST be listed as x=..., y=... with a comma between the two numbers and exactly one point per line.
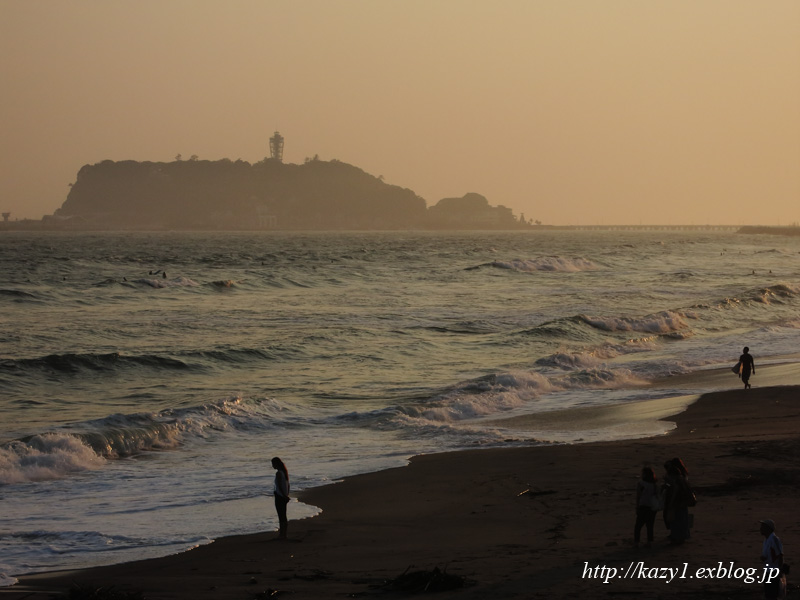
x=569, y=111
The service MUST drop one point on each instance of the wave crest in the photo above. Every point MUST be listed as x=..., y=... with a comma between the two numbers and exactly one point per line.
x=44, y=457
x=494, y=394
x=780, y=293
x=72, y=363
x=17, y=294
x=168, y=283
x=554, y=264
x=55, y=455
x=775, y=294
x=664, y=322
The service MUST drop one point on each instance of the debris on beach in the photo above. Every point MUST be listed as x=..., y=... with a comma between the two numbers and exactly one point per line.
x=420, y=582
x=269, y=593
x=535, y=493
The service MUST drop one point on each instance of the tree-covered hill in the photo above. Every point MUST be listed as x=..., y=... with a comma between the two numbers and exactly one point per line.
x=226, y=194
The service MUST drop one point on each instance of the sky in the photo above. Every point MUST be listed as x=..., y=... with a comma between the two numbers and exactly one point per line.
x=572, y=112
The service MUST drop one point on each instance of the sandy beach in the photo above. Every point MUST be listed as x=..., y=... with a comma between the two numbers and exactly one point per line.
x=529, y=522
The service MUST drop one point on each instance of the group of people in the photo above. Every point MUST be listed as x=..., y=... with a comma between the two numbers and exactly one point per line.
x=674, y=497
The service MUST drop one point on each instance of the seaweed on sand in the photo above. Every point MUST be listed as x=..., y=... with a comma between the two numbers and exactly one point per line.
x=418, y=582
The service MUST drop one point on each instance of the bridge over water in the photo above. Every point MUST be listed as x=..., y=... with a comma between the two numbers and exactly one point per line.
x=652, y=227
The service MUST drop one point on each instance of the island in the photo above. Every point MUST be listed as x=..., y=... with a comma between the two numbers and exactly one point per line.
x=268, y=195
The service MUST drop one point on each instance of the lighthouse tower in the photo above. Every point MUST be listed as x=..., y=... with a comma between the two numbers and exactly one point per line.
x=276, y=147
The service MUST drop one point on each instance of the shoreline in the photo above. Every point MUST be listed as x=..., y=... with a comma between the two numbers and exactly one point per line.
x=516, y=522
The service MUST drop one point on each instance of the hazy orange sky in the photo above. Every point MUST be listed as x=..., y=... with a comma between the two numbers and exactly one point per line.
x=570, y=111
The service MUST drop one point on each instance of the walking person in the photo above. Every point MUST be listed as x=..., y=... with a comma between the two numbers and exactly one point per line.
x=647, y=504
x=281, y=494
x=747, y=367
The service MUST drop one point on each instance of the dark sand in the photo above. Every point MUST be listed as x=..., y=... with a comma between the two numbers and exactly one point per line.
x=515, y=523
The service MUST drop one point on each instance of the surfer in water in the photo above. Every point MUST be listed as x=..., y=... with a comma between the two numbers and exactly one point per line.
x=747, y=366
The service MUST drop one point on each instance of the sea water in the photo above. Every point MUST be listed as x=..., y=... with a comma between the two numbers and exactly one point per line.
x=147, y=379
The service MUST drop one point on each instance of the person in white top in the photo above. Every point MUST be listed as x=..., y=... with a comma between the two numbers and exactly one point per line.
x=647, y=504
x=281, y=494
x=772, y=556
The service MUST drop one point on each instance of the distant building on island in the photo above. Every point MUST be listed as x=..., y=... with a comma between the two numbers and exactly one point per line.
x=276, y=147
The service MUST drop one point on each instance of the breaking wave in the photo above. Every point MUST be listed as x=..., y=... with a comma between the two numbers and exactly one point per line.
x=168, y=283
x=664, y=322
x=775, y=294
x=87, y=446
x=590, y=329
x=495, y=394
x=554, y=264
x=44, y=457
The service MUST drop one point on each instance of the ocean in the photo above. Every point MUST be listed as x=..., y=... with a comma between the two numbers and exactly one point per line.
x=147, y=379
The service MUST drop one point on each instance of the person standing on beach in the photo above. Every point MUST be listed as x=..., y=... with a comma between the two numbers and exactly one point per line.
x=772, y=557
x=281, y=494
x=647, y=504
x=676, y=500
x=747, y=366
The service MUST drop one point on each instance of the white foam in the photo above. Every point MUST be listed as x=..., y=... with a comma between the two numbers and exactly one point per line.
x=45, y=457
x=509, y=391
x=166, y=283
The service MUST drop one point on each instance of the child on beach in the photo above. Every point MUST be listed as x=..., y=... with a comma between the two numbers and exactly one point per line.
x=647, y=504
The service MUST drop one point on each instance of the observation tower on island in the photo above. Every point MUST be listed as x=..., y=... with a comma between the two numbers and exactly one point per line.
x=276, y=147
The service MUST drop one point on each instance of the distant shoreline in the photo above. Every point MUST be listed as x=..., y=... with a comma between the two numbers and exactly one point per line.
x=759, y=229
x=45, y=225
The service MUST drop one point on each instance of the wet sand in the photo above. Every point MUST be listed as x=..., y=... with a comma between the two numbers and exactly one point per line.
x=512, y=523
